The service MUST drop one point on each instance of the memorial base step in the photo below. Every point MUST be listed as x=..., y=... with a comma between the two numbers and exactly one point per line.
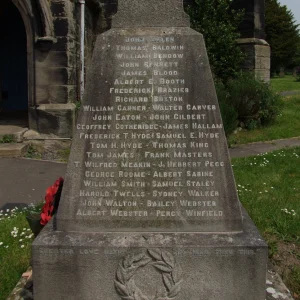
x=181, y=266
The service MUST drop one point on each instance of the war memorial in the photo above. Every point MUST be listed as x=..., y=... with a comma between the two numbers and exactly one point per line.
x=149, y=208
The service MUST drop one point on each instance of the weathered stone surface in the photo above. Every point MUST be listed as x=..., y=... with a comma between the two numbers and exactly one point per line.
x=154, y=13
x=263, y=51
x=55, y=76
x=15, y=131
x=61, y=93
x=171, y=127
x=31, y=134
x=276, y=289
x=53, y=59
x=112, y=265
x=263, y=63
x=55, y=94
x=258, y=55
x=12, y=150
x=263, y=74
x=55, y=119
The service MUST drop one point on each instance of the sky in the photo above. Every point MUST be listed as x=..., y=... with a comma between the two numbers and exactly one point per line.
x=294, y=6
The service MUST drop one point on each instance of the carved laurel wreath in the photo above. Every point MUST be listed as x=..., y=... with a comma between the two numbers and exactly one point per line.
x=159, y=259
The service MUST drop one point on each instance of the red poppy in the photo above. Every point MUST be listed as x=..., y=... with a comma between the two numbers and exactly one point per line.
x=52, y=199
x=45, y=218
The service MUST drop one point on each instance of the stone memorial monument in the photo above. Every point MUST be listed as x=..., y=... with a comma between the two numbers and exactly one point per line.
x=149, y=208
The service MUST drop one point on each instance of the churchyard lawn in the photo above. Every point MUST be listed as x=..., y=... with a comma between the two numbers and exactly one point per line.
x=287, y=125
x=15, y=248
x=268, y=186
x=286, y=83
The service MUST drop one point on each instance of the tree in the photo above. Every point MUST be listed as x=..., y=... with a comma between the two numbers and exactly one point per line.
x=282, y=34
x=219, y=22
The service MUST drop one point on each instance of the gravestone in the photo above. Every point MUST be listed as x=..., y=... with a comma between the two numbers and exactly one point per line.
x=149, y=208
x=295, y=72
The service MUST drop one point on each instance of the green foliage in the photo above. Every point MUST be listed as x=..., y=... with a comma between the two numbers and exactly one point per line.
x=228, y=112
x=248, y=100
x=286, y=125
x=64, y=154
x=272, y=246
x=294, y=279
x=77, y=105
x=296, y=58
x=77, y=108
x=7, y=138
x=32, y=152
x=282, y=34
x=254, y=100
x=219, y=22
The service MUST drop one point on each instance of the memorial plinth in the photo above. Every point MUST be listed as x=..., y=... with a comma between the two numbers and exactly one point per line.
x=149, y=208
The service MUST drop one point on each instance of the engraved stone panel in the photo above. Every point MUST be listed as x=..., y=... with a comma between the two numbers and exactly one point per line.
x=150, y=153
x=129, y=272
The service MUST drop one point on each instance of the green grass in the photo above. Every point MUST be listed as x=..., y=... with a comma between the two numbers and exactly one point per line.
x=294, y=278
x=269, y=188
x=286, y=125
x=15, y=248
x=267, y=184
x=64, y=154
x=286, y=83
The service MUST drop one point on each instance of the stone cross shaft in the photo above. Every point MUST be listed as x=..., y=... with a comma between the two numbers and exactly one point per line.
x=150, y=13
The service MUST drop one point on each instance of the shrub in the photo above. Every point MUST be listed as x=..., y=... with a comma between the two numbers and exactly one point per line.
x=219, y=23
x=254, y=101
x=228, y=112
x=7, y=138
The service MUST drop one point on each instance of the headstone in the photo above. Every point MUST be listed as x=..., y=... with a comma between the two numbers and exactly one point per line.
x=295, y=72
x=149, y=208
x=281, y=73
